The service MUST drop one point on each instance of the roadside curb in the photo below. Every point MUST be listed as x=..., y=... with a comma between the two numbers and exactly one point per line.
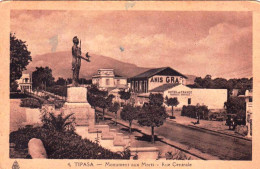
x=213, y=131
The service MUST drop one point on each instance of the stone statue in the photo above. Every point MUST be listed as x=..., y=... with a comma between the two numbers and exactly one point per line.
x=76, y=61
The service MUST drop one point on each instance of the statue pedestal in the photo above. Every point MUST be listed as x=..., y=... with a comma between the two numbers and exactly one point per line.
x=78, y=105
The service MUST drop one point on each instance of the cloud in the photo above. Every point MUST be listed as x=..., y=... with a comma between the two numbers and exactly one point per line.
x=197, y=43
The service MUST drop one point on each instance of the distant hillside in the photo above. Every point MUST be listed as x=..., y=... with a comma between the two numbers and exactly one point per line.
x=60, y=63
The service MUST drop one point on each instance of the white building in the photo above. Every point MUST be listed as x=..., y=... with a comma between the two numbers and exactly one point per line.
x=25, y=83
x=213, y=98
x=108, y=80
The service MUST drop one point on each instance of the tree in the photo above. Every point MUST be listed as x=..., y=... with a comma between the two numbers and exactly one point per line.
x=97, y=98
x=93, y=101
x=114, y=108
x=42, y=77
x=129, y=113
x=152, y=116
x=242, y=84
x=19, y=59
x=156, y=99
x=93, y=90
x=61, y=81
x=220, y=83
x=84, y=81
x=234, y=105
x=172, y=102
x=13, y=86
x=237, y=106
x=109, y=100
x=69, y=80
x=102, y=103
x=124, y=95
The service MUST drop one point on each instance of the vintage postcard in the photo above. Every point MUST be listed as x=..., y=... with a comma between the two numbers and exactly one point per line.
x=129, y=84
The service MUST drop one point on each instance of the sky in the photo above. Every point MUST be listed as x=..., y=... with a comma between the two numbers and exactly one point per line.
x=192, y=42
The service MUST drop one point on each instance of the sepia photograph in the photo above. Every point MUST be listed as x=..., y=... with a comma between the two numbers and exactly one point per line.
x=131, y=85
x=144, y=85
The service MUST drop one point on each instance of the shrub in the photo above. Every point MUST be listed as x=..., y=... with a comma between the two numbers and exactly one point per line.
x=242, y=130
x=58, y=122
x=64, y=145
x=30, y=102
x=189, y=111
x=195, y=111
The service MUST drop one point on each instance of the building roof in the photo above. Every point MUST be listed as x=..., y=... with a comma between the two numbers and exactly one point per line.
x=159, y=71
x=119, y=76
x=164, y=87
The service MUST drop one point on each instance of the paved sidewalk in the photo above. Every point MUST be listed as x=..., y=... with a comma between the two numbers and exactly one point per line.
x=215, y=126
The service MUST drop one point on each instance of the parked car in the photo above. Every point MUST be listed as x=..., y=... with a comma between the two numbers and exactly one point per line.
x=217, y=116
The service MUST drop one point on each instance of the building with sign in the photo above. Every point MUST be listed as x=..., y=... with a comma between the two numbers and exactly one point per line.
x=153, y=78
x=213, y=98
x=108, y=80
x=25, y=83
x=171, y=83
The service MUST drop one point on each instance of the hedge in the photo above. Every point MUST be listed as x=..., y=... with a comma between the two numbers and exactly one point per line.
x=64, y=145
x=193, y=111
x=30, y=102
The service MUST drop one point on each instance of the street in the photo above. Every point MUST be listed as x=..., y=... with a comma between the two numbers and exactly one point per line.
x=222, y=146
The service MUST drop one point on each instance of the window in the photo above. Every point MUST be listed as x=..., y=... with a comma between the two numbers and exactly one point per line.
x=107, y=82
x=189, y=101
x=250, y=99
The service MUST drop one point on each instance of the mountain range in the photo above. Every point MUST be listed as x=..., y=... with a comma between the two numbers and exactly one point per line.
x=60, y=63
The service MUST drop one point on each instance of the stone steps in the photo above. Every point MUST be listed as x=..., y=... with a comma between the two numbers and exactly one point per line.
x=108, y=138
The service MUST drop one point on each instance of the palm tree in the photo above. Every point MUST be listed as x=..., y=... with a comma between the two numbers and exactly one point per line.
x=59, y=123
